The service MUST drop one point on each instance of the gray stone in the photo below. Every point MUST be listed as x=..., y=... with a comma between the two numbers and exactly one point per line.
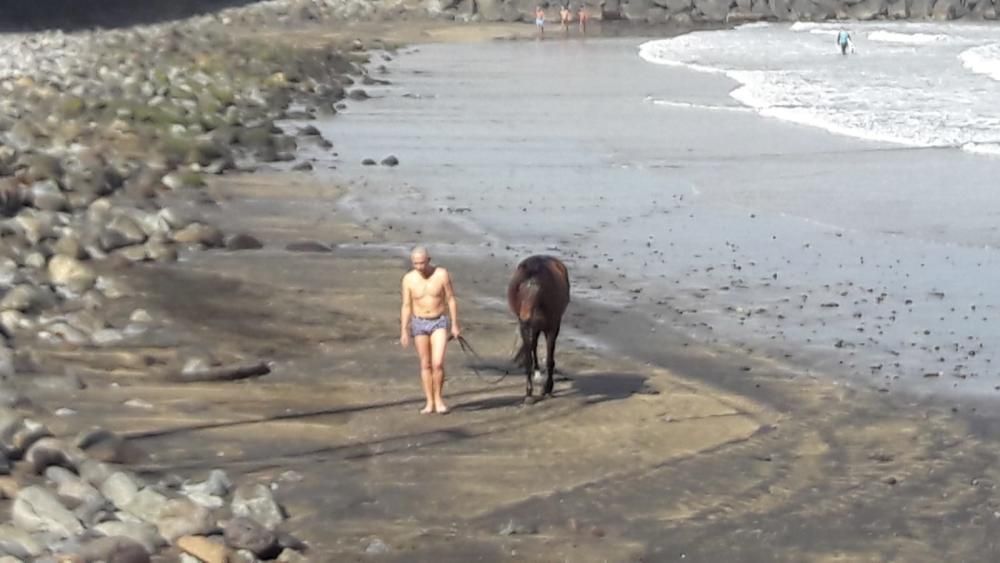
x=245, y=533
x=243, y=241
x=292, y=556
x=144, y=534
x=182, y=517
x=24, y=297
x=46, y=195
x=217, y=484
x=256, y=501
x=19, y=543
x=95, y=472
x=47, y=452
x=70, y=486
x=37, y=510
x=198, y=233
x=114, y=549
x=120, y=488
x=147, y=505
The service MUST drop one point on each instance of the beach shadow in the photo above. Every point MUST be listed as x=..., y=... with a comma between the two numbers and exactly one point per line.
x=592, y=388
x=70, y=15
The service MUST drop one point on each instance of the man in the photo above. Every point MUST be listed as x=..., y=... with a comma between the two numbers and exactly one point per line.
x=584, y=18
x=844, y=40
x=427, y=291
x=540, y=21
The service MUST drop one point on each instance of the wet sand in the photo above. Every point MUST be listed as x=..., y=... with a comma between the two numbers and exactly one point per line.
x=707, y=455
x=629, y=462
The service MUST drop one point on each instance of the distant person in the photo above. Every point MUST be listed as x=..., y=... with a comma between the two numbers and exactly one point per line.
x=844, y=41
x=540, y=20
x=584, y=17
x=565, y=16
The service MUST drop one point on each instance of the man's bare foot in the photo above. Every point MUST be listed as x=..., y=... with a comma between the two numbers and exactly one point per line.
x=428, y=409
x=441, y=408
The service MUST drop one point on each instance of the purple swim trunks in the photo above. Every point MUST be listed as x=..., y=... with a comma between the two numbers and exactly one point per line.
x=424, y=327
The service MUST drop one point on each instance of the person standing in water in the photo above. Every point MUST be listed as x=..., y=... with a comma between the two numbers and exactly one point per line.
x=844, y=40
x=564, y=17
x=540, y=21
x=584, y=17
x=430, y=317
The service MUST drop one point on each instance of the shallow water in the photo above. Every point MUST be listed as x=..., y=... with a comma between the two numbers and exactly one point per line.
x=861, y=260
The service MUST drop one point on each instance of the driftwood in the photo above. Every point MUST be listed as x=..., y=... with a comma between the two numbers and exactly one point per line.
x=230, y=372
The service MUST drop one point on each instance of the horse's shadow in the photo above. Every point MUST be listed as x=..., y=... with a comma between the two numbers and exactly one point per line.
x=590, y=389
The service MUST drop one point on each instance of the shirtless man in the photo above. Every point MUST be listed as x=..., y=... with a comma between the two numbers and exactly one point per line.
x=426, y=291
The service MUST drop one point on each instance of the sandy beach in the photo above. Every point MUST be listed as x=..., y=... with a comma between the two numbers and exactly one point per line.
x=661, y=443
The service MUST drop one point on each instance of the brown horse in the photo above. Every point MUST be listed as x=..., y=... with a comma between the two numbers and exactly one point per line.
x=538, y=294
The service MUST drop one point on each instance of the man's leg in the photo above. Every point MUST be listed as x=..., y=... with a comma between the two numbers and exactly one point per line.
x=423, y=345
x=439, y=343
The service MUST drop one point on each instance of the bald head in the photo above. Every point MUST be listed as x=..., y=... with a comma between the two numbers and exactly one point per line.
x=421, y=261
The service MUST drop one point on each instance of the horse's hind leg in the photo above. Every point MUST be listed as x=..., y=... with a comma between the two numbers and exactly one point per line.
x=550, y=359
x=527, y=359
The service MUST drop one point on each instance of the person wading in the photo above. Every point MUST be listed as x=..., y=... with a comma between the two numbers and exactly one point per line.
x=427, y=292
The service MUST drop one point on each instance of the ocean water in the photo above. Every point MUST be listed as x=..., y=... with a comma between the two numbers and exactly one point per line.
x=915, y=84
x=738, y=194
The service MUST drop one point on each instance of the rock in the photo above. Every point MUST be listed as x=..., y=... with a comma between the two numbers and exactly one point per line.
x=128, y=231
x=358, y=94
x=198, y=233
x=46, y=195
x=143, y=534
x=70, y=272
x=38, y=510
x=146, y=505
x=183, y=180
x=368, y=162
x=64, y=332
x=302, y=167
x=244, y=533
x=376, y=546
x=17, y=542
x=217, y=484
x=47, y=452
x=113, y=549
x=23, y=297
x=70, y=486
x=390, y=160
x=243, y=242
x=256, y=502
x=292, y=556
x=95, y=472
x=69, y=245
x=26, y=435
x=161, y=252
x=182, y=517
x=307, y=246
x=203, y=548
x=120, y=488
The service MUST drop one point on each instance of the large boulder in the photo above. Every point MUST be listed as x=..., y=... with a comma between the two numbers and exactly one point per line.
x=712, y=10
x=38, y=510
x=920, y=9
x=948, y=9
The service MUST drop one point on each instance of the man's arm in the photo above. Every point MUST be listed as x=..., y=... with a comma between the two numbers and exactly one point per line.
x=449, y=295
x=405, y=314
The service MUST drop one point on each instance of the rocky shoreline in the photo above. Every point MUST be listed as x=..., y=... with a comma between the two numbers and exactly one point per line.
x=106, y=141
